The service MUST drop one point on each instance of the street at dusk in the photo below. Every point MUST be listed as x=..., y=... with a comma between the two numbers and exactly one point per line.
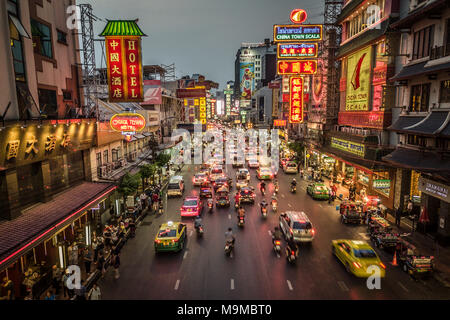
x=213, y=154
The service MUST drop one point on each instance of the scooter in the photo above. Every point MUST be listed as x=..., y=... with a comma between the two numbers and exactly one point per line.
x=276, y=189
x=277, y=246
x=293, y=188
x=210, y=206
x=264, y=211
x=274, y=205
x=263, y=191
x=241, y=222
x=161, y=208
x=200, y=231
x=292, y=256
x=236, y=206
x=228, y=248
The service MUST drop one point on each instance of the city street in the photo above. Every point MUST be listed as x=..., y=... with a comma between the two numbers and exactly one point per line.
x=202, y=271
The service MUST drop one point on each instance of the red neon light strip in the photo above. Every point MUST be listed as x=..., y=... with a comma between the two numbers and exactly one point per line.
x=54, y=227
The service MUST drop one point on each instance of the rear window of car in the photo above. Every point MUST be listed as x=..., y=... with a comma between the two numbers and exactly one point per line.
x=174, y=186
x=291, y=164
x=245, y=192
x=190, y=203
x=364, y=253
x=216, y=171
x=200, y=175
x=302, y=225
x=171, y=233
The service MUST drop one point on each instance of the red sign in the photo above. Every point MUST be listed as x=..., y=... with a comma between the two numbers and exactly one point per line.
x=298, y=16
x=297, y=50
x=190, y=93
x=366, y=119
x=124, y=66
x=285, y=97
x=295, y=67
x=279, y=123
x=296, y=100
x=127, y=122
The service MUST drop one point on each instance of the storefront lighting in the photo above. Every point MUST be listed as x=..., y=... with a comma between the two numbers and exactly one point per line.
x=61, y=256
x=88, y=235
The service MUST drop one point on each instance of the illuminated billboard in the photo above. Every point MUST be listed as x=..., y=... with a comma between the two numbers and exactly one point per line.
x=127, y=123
x=296, y=50
x=296, y=100
x=247, y=79
x=296, y=67
x=289, y=32
x=358, y=80
x=298, y=16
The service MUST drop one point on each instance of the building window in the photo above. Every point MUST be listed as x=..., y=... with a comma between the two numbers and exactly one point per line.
x=420, y=96
x=99, y=159
x=444, y=95
x=443, y=144
x=105, y=156
x=42, y=39
x=417, y=140
x=67, y=95
x=382, y=183
x=363, y=178
x=115, y=155
x=423, y=41
x=62, y=37
x=365, y=19
x=48, y=103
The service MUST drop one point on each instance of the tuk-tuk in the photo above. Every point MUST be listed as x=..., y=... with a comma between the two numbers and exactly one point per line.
x=411, y=261
x=222, y=197
x=381, y=233
x=351, y=212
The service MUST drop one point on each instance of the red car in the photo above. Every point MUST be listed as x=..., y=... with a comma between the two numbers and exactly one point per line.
x=192, y=207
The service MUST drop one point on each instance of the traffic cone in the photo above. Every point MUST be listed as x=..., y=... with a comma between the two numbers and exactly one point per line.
x=394, y=261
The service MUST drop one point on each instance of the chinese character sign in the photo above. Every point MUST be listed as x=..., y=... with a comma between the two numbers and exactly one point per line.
x=296, y=50
x=296, y=100
x=124, y=61
x=294, y=67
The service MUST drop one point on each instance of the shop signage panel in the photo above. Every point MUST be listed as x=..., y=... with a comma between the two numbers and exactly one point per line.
x=296, y=100
x=296, y=67
x=358, y=80
x=279, y=123
x=289, y=32
x=382, y=184
x=366, y=119
x=247, y=80
x=435, y=189
x=348, y=146
x=127, y=123
x=296, y=50
x=190, y=93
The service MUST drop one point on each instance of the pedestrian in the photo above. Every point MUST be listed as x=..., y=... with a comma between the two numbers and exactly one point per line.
x=116, y=264
x=398, y=216
x=65, y=277
x=7, y=289
x=87, y=260
x=50, y=295
x=95, y=293
x=409, y=207
x=56, y=278
x=95, y=248
x=81, y=292
x=101, y=263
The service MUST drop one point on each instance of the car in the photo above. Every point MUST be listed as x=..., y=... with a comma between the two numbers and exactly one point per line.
x=223, y=182
x=175, y=186
x=216, y=172
x=264, y=173
x=357, y=256
x=206, y=191
x=238, y=161
x=222, y=197
x=192, y=207
x=200, y=178
x=243, y=173
x=253, y=163
x=296, y=225
x=290, y=167
x=247, y=195
x=318, y=191
x=241, y=182
x=283, y=161
x=171, y=236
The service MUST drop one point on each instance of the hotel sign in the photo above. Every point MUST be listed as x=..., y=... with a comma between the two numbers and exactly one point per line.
x=348, y=146
x=289, y=33
x=297, y=50
x=296, y=67
x=127, y=123
x=435, y=189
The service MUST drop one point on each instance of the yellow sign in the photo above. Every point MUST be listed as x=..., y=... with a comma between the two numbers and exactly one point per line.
x=348, y=146
x=358, y=80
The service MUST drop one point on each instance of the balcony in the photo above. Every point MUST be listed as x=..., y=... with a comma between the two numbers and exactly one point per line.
x=440, y=52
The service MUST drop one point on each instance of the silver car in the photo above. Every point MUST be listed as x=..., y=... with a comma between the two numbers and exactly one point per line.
x=297, y=226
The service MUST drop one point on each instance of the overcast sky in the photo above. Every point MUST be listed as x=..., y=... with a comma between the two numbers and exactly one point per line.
x=202, y=36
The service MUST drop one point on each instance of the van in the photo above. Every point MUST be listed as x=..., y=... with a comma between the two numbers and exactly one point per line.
x=297, y=226
x=176, y=186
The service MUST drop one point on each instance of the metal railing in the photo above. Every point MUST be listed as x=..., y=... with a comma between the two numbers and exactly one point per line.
x=440, y=52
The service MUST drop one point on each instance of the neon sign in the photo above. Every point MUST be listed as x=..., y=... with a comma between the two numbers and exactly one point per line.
x=127, y=123
x=297, y=50
x=289, y=32
x=296, y=67
x=296, y=100
x=298, y=16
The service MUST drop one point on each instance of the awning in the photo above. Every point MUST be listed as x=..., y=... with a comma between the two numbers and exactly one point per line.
x=417, y=14
x=147, y=134
x=418, y=69
x=19, y=26
x=404, y=122
x=419, y=160
x=139, y=136
x=41, y=222
x=431, y=125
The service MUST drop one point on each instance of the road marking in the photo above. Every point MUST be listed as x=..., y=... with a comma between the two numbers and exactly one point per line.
x=289, y=285
x=190, y=233
x=185, y=255
x=283, y=196
x=342, y=285
x=364, y=235
x=270, y=232
x=177, y=284
x=402, y=286
x=289, y=205
x=320, y=206
x=229, y=216
x=232, y=284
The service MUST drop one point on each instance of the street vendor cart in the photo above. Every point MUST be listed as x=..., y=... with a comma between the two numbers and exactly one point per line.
x=351, y=212
x=411, y=261
x=381, y=233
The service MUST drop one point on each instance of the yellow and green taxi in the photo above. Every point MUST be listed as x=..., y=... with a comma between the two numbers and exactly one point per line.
x=358, y=257
x=318, y=191
x=171, y=236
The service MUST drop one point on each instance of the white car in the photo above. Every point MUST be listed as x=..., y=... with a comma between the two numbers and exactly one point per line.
x=241, y=173
x=290, y=167
x=253, y=163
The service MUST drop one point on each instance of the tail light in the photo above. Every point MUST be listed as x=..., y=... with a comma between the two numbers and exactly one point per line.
x=174, y=240
x=382, y=265
x=313, y=231
x=157, y=241
x=357, y=265
x=293, y=253
x=278, y=242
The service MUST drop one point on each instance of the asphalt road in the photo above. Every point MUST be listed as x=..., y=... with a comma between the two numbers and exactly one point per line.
x=202, y=271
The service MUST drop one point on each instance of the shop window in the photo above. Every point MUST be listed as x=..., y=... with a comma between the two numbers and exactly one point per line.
x=62, y=37
x=99, y=159
x=75, y=166
x=444, y=95
x=115, y=155
x=42, y=39
x=48, y=103
x=30, y=184
x=67, y=95
x=420, y=95
x=382, y=183
x=443, y=144
x=423, y=41
x=417, y=140
x=105, y=157
x=414, y=188
x=363, y=178
x=57, y=176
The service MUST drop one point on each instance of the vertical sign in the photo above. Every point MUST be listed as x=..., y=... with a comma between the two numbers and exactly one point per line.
x=296, y=100
x=124, y=62
x=202, y=108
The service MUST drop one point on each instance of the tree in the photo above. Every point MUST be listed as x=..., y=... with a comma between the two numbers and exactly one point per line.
x=129, y=185
x=298, y=148
x=162, y=159
x=146, y=171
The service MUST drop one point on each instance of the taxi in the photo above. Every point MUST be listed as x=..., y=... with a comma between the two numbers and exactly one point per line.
x=171, y=236
x=216, y=172
x=264, y=173
x=246, y=195
x=253, y=163
x=200, y=178
x=318, y=191
x=357, y=256
x=192, y=207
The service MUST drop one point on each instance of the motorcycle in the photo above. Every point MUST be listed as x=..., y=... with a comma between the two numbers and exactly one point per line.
x=200, y=231
x=161, y=208
x=276, y=189
x=229, y=247
x=293, y=188
x=263, y=191
x=277, y=246
x=210, y=206
x=241, y=221
x=236, y=205
x=274, y=205
x=292, y=256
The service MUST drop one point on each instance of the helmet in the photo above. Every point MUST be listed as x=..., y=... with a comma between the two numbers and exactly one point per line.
x=229, y=229
x=294, y=180
x=276, y=228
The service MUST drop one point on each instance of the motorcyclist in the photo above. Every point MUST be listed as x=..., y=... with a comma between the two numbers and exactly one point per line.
x=291, y=246
x=197, y=222
x=274, y=200
x=230, y=238
x=262, y=187
x=293, y=183
x=210, y=203
x=236, y=198
x=263, y=204
x=276, y=235
x=301, y=173
x=241, y=212
x=276, y=185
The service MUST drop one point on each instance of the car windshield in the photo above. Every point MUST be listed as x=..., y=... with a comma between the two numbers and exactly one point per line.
x=200, y=175
x=245, y=192
x=291, y=165
x=173, y=186
x=190, y=203
x=167, y=233
x=302, y=225
x=364, y=253
x=216, y=171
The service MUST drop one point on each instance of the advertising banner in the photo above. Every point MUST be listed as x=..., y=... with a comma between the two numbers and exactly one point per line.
x=124, y=69
x=275, y=94
x=358, y=80
x=247, y=77
x=127, y=123
x=297, y=50
x=152, y=92
x=202, y=110
x=289, y=33
x=190, y=93
x=296, y=67
x=348, y=146
x=296, y=100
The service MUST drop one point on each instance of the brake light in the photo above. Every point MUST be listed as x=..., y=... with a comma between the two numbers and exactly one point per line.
x=313, y=231
x=357, y=265
x=157, y=241
x=277, y=242
x=382, y=265
x=174, y=240
x=293, y=253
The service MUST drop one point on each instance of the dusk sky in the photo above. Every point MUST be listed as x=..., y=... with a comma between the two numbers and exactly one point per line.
x=202, y=36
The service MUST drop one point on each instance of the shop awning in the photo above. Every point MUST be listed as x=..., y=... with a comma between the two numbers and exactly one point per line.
x=431, y=125
x=419, y=160
x=41, y=222
x=419, y=69
x=405, y=122
x=147, y=134
x=139, y=136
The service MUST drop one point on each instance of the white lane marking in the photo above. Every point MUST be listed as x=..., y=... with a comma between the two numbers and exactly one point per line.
x=177, y=284
x=342, y=285
x=232, y=284
x=364, y=235
x=278, y=256
x=289, y=205
x=229, y=216
x=282, y=196
x=289, y=285
x=270, y=233
x=185, y=255
x=190, y=233
x=320, y=206
x=402, y=286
